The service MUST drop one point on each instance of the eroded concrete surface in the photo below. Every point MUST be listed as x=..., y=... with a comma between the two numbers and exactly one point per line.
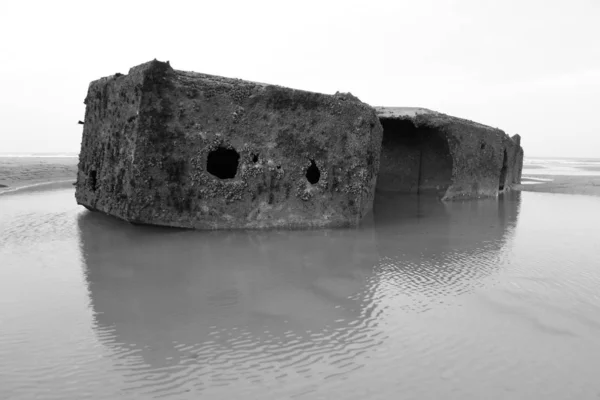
x=183, y=149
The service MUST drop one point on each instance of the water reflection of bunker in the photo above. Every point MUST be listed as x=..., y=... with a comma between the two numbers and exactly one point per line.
x=249, y=305
x=429, y=249
x=210, y=300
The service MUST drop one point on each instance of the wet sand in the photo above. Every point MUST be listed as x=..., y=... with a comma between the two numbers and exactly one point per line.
x=566, y=184
x=590, y=168
x=19, y=172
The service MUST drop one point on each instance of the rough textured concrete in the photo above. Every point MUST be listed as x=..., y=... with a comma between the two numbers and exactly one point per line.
x=518, y=159
x=167, y=147
x=424, y=151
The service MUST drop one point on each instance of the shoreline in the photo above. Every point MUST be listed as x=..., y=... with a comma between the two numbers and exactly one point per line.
x=34, y=173
x=37, y=186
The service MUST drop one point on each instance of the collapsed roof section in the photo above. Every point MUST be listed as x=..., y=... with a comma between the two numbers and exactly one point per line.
x=425, y=151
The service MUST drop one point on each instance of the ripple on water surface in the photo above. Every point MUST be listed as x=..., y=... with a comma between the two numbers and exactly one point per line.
x=424, y=300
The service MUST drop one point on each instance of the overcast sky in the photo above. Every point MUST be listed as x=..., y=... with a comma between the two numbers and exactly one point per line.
x=530, y=67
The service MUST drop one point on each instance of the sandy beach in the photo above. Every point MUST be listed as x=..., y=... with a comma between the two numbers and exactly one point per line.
x=20, y=172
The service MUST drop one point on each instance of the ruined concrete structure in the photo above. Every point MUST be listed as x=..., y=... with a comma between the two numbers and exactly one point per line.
x=190, y=150
x=184, y=149
x=424, y=151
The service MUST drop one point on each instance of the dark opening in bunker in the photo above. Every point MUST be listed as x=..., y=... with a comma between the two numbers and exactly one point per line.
x=503, y=171
x=414, y=159
x=92, y=180
x=223, y=163
x=312, y=173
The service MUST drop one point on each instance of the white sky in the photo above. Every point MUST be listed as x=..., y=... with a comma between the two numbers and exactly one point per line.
x=526, y=66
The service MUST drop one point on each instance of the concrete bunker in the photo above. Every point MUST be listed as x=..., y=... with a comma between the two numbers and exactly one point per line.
x=176, y=148
x=414, y=159
x=184, y=149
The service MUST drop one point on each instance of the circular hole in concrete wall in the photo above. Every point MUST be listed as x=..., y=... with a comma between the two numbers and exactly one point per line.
x=312, y=173
x=223, y=163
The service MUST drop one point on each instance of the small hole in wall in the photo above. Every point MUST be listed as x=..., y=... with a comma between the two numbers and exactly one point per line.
x=254, y=158
x=482, y=146
x=312, y=173
x=92, y=180
x=223, y=163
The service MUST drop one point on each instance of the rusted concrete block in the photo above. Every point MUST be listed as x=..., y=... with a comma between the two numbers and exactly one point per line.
x=183, y=149
x=424, y=151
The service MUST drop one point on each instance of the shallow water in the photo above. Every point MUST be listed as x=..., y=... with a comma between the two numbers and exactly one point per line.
x=486, y=299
